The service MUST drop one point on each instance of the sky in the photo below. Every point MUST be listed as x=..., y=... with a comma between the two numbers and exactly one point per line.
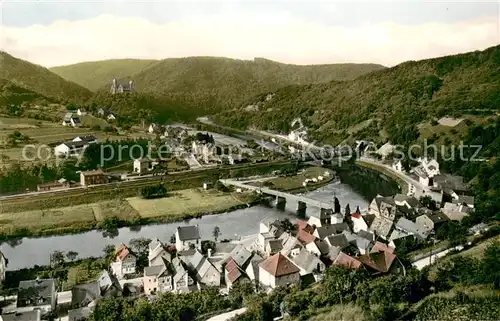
x=54, y=32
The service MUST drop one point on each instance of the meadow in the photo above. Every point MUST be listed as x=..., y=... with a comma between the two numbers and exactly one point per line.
x=187, y=202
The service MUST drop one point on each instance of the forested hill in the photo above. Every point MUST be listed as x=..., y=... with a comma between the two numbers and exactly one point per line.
x=40, y=80
x=201, y=85
x=391, y=101
x=95, y=75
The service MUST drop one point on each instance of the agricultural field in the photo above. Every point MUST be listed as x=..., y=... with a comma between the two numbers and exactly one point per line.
x=187, y=202
x=42, y=132
x=72, y=217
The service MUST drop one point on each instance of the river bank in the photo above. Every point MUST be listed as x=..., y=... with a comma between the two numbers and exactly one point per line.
x=124, y=212
x=28, y=251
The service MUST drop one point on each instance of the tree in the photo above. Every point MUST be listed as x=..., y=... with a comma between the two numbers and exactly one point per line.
x=336, y=205
x=347, y=209
x=71, y=255
x=428, y=202
x=287, y=225
x=216, y=233
x=57, y=258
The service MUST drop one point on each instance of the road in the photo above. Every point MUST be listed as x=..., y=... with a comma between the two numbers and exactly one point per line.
x=228, y=315
x=420, y=190
x=423, y=262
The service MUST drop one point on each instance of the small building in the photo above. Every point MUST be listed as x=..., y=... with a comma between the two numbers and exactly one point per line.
x=206, y=273
x=125, y=262
x=94, y=177
x=464, y=200
x=207, y=185
x=71, y=120
x=397, y=165
x=158, y=278
x=455, y=212
x=81, y=112
x=431, y=221
x=142, y=165
x=278, y=270
x=321, y=218
x=54, y=186
x=406, y=226
x=39, y=294
x=308, y=263
x=187, y=237
x=118, y=87
x=111, y=117
x=89, y=139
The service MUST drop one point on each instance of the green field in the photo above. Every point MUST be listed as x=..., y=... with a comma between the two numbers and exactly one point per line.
x=187, y=202
x=76, y=217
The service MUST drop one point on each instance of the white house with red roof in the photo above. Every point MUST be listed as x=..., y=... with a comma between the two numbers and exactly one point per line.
x=125, y=262
x=278, y=270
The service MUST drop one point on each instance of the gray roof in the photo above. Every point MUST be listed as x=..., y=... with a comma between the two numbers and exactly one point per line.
x=381, y=226
x=196, y=260
x=79, y=314
x=156, y=270
x=412, y=201
x=34, y=290
x=469, y=200
x=78, y=144
x=447, y=181
x=437, y=217
x=328, y=230
x=275, y=245
x=339, y=240
x=366, y=235
x=411, y=227
x=363, y=244
x=306, y=261
x=240, y=255
x=22, y=316
x=68, y=116
x=322, y=246
x=107, y=280
x=188, y=232
x=83, y=294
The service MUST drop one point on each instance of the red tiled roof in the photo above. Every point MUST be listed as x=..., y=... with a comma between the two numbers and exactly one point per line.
x=304, y=225
x=233, y=270
x=305, y=237
x=379, y=261
x=379, y=246
x=347, y=261
x=278, y=265
x=356, y=215
x=121, y=252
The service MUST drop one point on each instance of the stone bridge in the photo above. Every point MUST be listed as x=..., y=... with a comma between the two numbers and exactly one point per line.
x=281, y=197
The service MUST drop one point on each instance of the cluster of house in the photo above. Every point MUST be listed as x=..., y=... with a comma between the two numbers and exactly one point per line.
x=450, y=192
x=73, y=119
x=75, y=146
x=171, y=132
x=38, y=299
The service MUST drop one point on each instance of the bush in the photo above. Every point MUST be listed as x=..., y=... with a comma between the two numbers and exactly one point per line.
x=154, y=191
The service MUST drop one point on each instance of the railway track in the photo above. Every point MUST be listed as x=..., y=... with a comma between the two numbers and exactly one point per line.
x=131, y=184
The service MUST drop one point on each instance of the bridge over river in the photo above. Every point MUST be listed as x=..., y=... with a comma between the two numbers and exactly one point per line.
x=281, y=197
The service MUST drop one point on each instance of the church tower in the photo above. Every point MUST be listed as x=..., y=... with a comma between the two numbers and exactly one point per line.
x=113, y=86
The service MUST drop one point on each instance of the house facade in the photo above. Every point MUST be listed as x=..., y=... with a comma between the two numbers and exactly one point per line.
x=187, y=237
x=278, y=270
x=39, y=294
x=125, y=262
x=94, y=177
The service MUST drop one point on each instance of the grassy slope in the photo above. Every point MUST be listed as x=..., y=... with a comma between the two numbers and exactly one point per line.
x=39, y=79
x=405, y=94
x=96, y=74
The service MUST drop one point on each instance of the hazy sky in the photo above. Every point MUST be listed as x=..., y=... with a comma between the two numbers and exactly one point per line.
x=63, y=32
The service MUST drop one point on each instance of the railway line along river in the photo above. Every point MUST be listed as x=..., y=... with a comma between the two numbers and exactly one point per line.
x=28, y=252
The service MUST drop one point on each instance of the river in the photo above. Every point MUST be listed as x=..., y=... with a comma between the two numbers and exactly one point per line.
x=235, y=224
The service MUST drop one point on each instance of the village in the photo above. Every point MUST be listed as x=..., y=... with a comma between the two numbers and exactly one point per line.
x=284, y=253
